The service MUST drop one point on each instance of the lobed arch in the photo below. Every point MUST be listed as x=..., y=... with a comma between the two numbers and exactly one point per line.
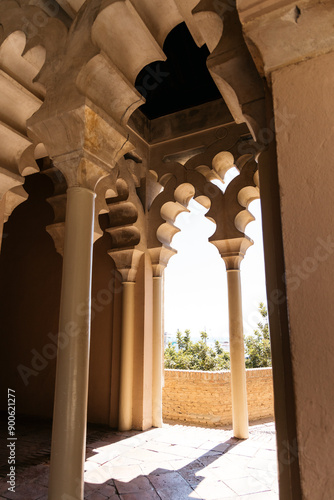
x=228, y=210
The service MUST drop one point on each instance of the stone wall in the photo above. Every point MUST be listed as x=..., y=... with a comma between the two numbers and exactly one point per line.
x=204, y=398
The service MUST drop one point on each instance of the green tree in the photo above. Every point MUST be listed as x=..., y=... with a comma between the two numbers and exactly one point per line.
x=188, y=355
x=258, y=351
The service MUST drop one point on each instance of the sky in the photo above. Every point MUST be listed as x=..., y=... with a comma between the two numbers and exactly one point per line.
x=196, y=283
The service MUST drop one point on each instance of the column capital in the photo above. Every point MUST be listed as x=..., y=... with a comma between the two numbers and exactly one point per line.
x=127, y=262
x=233, y=251
x=160, y=257
x=84, y=143
x=280, y=33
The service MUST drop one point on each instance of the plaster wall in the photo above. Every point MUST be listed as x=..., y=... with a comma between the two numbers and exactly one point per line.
x=105, y=313
x=304, y=115
x=30, y=281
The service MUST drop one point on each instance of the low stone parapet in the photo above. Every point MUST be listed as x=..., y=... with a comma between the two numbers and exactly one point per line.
x=204, y=398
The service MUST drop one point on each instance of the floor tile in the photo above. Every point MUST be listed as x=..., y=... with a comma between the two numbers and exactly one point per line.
x=138, y=484
x=172, y=463
x=142, y=495
x=171, y=485
x=245, y=485
x=213, y=490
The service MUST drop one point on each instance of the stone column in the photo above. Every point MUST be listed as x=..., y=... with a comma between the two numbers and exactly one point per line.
x=232, y=252
x=237, y=353
x=85, y=148
x=127, y=351
x=157, y=375
x=71, y=392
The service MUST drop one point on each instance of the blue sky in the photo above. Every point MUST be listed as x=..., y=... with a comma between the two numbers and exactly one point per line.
x=195, y=278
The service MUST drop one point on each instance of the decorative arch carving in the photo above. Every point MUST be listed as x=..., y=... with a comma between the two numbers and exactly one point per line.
x=228, y=210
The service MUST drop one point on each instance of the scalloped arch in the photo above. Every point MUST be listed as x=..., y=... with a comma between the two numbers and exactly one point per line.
x=169, y=211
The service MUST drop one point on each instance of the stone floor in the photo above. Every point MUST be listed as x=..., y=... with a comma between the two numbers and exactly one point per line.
x=173, y=463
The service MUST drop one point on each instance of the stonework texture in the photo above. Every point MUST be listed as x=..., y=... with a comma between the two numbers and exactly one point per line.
x=204, y=398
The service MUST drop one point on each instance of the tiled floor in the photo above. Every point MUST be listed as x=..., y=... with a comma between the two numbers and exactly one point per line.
x=172, y=463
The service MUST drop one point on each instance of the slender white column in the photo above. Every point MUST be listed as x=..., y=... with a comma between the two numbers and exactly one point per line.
x=127, y=351
x=71, y=392
x=237, y=353
x=157, y=352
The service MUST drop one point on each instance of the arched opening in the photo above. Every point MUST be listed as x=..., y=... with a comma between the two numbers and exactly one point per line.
x=196, y=295
x=195, y=283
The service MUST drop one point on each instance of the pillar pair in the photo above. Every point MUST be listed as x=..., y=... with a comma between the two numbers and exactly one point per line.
x=127, y=354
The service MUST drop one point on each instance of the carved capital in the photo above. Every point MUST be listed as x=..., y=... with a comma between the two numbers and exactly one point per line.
x=160, y=257
x=83, y=144
x=127, y=262
x=233, y=251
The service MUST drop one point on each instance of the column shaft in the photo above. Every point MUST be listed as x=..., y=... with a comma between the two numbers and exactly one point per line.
x=157, y=352
x=237, y=352
x=71, y=392
x=127, y=351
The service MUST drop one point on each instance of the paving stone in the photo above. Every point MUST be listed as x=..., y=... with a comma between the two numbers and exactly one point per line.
x=243, y=450
x=261, y=496
x=213, y=490
x=192, y=473
x=181, y=462
x=171, y=485
x=124, y=472
x=107, y=490
x=263, y=464
x=143, y=495
x=184, y=451
x=123, y=461
x=138, y=484
x=29, y=491
x=153, y=468
x=266, y=454
x=96, y=496
x=152, y=445
x=149, y=456
x=245, y=485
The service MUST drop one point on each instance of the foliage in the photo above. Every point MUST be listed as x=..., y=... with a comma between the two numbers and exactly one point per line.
x=258, y=352
x=188, y=355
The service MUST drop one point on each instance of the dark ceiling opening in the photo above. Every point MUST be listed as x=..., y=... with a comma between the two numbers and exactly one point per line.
x=180, y=82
